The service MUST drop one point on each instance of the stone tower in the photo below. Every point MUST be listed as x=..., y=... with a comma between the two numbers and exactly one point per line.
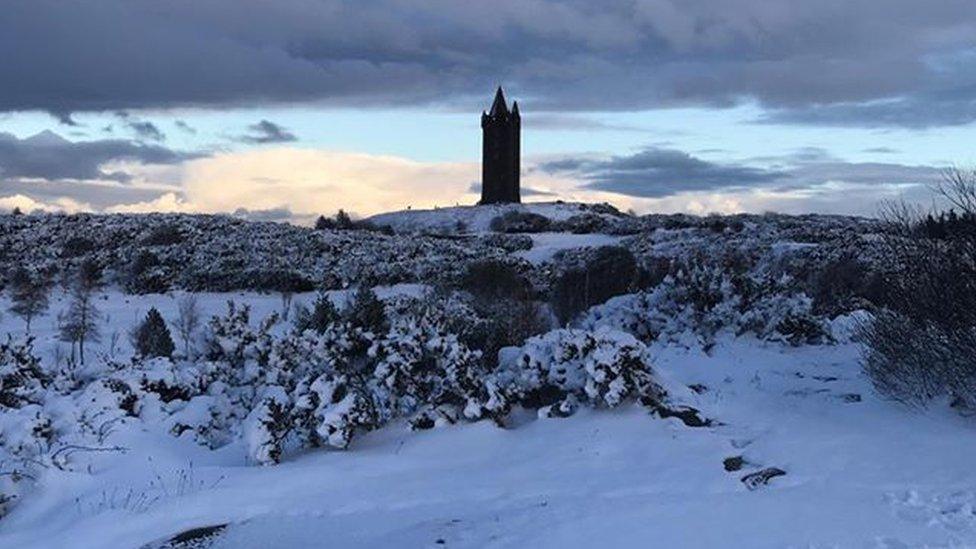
x=500, y=154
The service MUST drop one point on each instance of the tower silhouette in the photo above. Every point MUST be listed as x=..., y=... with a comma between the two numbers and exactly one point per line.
x=500, y=154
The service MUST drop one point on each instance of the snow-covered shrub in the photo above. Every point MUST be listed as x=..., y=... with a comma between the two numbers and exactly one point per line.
x=322, y=314
x=508, y=242
x=674, y=310
x=268, y=427
x=233, y=340
x=21, y=378
x=515, y=221
x=583, y=224
x=26, y=436
x=166, y=379
x=344, y=407
x=366, y=311
x=600, y=367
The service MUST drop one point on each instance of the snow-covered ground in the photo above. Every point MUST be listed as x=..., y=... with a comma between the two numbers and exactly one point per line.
x=860, y=471
x=546, y=245
x=473, y=218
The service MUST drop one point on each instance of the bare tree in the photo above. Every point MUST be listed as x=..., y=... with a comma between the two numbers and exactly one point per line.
x=958, y=188
x=923, y=343
x=188, y=321
x=79, y=323
x=28, y=294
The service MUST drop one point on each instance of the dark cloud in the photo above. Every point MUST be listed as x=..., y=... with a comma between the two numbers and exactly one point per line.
x=881, y=150
x=656, y=173
x=266, y=131
x=918, y=112
x=864, y=173
x=828, y=62
x=64, y=118
x=142, y=128
x=653, y=173
x=184, y=126
x=98, y=195
x=49, y=156
x=147, y=130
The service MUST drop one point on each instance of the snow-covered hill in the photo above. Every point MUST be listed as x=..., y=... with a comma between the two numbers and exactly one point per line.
x=478, y=218
x=707, y=391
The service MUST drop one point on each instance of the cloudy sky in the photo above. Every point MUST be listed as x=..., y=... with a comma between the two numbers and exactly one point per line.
x=288, y=109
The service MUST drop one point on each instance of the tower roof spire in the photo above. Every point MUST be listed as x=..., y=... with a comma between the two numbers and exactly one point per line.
x=499, y=106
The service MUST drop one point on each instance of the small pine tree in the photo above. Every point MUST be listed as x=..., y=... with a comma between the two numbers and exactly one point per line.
x=323, y=314
x=367, y=311
x=152, y=338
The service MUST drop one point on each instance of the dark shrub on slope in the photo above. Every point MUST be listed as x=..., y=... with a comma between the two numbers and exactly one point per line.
x=520, y=222
x=609, y=271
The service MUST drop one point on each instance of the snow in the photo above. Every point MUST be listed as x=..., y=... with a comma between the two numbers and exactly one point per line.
x=546, y=245
x=859, y=473
x=474, y=218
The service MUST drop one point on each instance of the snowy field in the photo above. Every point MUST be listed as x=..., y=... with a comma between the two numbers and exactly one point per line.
x=860, y=471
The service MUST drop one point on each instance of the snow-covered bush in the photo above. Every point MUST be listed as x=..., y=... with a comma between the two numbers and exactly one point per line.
x=675, y=310
x=598, y=367
x=21, y=378
x=515, y=221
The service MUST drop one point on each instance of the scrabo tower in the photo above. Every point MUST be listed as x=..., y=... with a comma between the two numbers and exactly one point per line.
x=500, y=156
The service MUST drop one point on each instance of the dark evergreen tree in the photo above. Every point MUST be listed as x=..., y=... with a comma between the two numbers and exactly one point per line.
x=367, y=311
x=323, y=314
x=152, y=338
x=323, y=223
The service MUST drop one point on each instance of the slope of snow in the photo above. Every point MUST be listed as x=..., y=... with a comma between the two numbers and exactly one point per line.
x=546, y=245
x=473, y=218
x=861, y=472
